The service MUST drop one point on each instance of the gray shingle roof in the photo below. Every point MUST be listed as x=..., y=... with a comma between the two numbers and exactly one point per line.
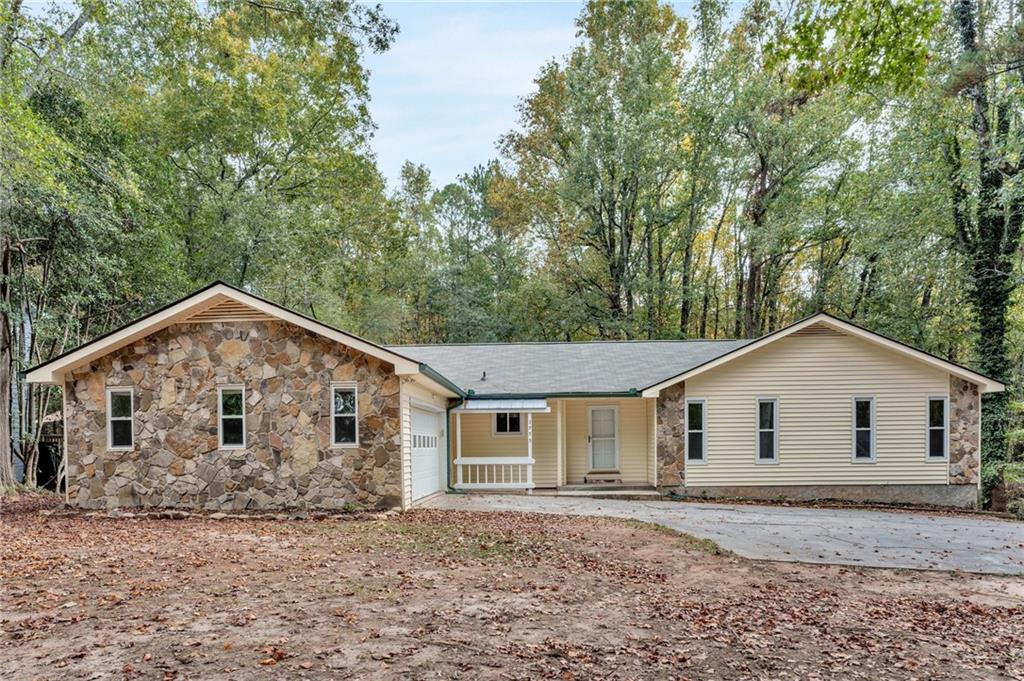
x=560, y=368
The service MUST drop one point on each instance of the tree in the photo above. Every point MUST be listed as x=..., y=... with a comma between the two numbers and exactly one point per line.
x=600, y=156
x=971, y=70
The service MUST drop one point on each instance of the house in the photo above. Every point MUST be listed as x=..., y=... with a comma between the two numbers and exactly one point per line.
x=226, y=400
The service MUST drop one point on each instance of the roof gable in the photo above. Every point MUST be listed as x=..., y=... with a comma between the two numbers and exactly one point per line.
x=216, y=302
x=823, y=323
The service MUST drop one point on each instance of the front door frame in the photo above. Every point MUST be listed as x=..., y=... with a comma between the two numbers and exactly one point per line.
x=590, y=435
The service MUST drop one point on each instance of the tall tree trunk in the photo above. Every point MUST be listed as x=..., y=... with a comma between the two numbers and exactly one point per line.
x=686, y=288
x=995, y=240
x=6, y=358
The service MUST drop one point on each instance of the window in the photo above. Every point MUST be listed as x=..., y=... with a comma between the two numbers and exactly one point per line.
x=938, y=427
x=767, y=430
x=231, y=414
x=344, y=421
x=696, y=440
x=120, y=419
x=508, y=423
x=864, y=429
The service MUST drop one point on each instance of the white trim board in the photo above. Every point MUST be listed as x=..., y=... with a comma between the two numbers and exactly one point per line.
x=52, y=372
x=985, y=384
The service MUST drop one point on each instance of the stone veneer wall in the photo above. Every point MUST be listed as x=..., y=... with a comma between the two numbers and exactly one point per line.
x=964, y=432
x=288, y=461
x=669, y=428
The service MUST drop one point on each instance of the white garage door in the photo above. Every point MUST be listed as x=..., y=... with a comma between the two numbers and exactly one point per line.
x=426, y=453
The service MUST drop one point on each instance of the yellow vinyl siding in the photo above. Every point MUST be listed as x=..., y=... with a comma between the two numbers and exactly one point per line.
x=815, y=376
x=412, y=392
x=478, y=439
x=634, y=433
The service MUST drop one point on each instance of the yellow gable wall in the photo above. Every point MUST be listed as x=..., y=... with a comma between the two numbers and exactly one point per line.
x=815, y=376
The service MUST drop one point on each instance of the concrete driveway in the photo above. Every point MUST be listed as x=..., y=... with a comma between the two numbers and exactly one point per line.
x=808, y=535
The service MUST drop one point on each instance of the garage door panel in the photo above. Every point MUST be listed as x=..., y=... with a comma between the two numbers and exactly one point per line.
x=426, y=453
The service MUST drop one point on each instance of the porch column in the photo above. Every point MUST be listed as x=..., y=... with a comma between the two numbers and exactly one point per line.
x=458, y=448
x=560, y=446
x=529, y=450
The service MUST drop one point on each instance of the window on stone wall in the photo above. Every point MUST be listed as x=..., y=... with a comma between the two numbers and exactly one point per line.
x=344, y=419
x=231, y=414
x=120, y=419
x=696, y=430
x=938, y=427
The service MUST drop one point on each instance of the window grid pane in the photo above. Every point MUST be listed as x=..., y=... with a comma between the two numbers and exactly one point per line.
x=514, y=423
x=767, y=442
x=936, y=413
x=120, y=405
x=863, y=444
x=501, y=423
x=344, y=401
x=766, y=415
x=695, y=416
x=121, y=432
x=233, y=430
x=345, y=430
x=863, y=413
x=231, y=403
x=695, y=446
x=937, y=442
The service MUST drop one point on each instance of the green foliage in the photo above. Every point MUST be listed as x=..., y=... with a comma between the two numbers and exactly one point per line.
x=862, y=43
x=669, y=179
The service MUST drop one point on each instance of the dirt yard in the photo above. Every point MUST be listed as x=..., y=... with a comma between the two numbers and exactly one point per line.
x=444, y=594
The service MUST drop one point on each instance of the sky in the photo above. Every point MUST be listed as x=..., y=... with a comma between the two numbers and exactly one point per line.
x=447, y=89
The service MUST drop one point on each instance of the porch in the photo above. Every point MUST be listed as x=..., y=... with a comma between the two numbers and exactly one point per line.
x=569, y=446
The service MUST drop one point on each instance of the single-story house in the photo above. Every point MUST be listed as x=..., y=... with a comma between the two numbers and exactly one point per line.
x=226, y=400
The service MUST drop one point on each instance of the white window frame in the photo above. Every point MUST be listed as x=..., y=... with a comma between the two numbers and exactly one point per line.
x=758, y=430
x=355, y=395
x=853, y=429
x=494, y=425
x=220, y=416
x=110, y=418
x=703, y=430
x=928, y=429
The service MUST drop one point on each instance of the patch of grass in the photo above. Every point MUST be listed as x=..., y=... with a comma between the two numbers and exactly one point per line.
x=491, y=545
x=687, y=541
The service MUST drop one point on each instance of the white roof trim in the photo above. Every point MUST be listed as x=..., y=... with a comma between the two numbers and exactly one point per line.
x=485, y=406
x=52, y=372
x=985, y=384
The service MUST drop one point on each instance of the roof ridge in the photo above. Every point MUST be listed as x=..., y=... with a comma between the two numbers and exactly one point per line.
x=580, y=342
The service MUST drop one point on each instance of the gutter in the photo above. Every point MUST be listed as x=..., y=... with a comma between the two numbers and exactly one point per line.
x=432, y=374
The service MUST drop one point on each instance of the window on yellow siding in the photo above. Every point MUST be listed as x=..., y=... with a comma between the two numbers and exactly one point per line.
x=938, y=427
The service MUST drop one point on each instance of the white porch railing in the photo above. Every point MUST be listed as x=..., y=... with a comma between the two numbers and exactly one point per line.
x=494, y=472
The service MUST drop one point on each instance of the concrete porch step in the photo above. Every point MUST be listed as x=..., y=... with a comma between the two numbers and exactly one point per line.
x=635, y=492
x=602, y=487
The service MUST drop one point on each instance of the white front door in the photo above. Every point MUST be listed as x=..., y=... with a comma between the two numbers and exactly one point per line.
x=604, y=438
x=426, y=454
